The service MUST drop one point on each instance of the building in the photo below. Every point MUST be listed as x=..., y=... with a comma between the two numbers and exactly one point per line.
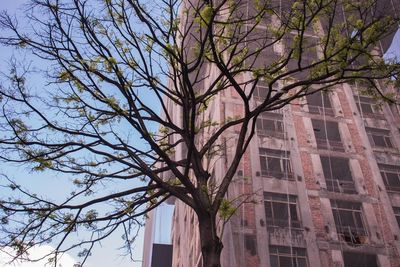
x=157, y=247
x=324, y=173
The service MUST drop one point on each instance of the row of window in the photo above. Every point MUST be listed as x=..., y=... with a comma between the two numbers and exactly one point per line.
x=319, y=103
x=327, y=133
x=336, y=170
x=281, y=211
x=281, y=256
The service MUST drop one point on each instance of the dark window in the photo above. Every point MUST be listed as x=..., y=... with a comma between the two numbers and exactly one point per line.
x=287, y=256
x=349, y=221
x=270, y=124
x=391, y=177
x=337, y=175
x=379, y=137
x=275, y=163
x=281, y=210
x=327, y=135
x=352, y=259
x=301, y=66
x=396, y=211
x=251, y=244
x=368, y=107
x=319, y=103
x=161, y=255
x=262, y=89
x=266, y=56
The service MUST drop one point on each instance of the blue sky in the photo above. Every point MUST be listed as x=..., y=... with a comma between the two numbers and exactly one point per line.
x=106, y=253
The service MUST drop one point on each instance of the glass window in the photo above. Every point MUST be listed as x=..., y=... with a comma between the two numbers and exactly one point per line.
x=349, y=221
x=391, y=177
x=281, y=256
x=319, y=103
x=300, y=67
x=262, y=89
x=337, y=175
x=352, y=259
x=275, y=163
x=396, y=211
x=327, y=135
x=270, y=124
x=379, y=137
x=281, y=210
x=368, y=107
x=251, y=244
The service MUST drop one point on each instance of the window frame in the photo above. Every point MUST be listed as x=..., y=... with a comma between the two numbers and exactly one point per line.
x=356, y=255
x=369, y=103
x=267, y=154
x=386, y=169
x=294, y=255
x=348, y=233
x=315, y=108
x=326, y=141
x=278, y=199
x=261, y=87
x=265, y=119
x=334, y=184
x=385, y=134
x=396, y=211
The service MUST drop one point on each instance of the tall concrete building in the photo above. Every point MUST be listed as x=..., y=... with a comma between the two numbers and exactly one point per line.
x=323, y=174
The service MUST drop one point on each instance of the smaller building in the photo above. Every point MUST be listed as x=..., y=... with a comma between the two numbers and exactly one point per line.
x=157, y=247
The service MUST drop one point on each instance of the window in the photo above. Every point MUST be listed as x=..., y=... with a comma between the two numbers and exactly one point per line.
x=396, y=211
x=368, y=107
x=250, y=244
x=337, y=175
x=391, y=177
x=319, y=103
x=281, y=210
x=275, y=163
x=287, y=256
x=349, y=221
x=300, y=67
x=270, y=124
x=379, y=137
x=262, y=89
x=254, y=40
x=352, y=259
x=327, y=135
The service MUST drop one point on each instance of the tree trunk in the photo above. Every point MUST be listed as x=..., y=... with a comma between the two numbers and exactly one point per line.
x=211, y=245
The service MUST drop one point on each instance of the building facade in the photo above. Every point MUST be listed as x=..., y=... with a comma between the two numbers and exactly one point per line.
x=323, y=174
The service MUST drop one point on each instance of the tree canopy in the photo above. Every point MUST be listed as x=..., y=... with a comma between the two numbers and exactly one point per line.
x=108, y=67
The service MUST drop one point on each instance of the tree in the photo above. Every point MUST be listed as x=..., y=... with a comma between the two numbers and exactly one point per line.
x=111, y=62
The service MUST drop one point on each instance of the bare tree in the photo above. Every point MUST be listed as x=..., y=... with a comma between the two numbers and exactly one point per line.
x=111, y=62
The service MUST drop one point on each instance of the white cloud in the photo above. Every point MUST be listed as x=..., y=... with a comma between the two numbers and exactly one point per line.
x=36, y=253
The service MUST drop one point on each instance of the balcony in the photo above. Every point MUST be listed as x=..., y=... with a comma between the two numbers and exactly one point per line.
x=330, y=145
x=284, y=236
x=321, y=110
x=392, y=188
x=352, y=235
x=275, y=134
x=288, y=175
x=340, y=186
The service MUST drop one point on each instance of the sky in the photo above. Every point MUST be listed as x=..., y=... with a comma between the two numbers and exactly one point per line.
x=36, y=252
x=104, y=254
